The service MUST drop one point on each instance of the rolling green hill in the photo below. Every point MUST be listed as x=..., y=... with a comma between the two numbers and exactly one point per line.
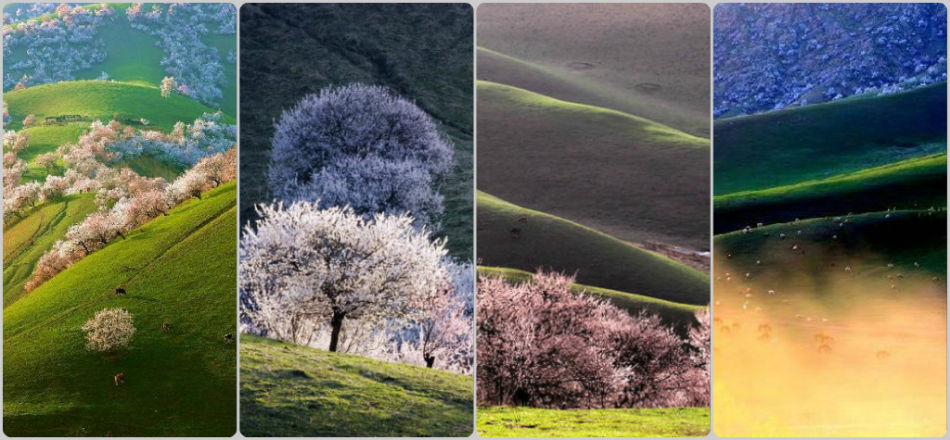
x=103, y=99
x=25, y=240
x=288, y=390
x=433, y=68
x=497, y=67
x=651, y=60
x=914, y=183
x=819, y=141
x=550, y=242
x=681, y=315
x=177, y=269
x=615, y=172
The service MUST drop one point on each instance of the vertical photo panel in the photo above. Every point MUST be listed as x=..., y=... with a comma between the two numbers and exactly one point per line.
x=356, y=260
x=119, y=220
x=830, y=220
x=593, y=220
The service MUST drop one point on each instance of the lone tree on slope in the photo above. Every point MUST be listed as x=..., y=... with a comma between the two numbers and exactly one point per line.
x=302, y=263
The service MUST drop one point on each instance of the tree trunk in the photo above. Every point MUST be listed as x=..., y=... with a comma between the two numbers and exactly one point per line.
x=336, y=324
x=429, y=361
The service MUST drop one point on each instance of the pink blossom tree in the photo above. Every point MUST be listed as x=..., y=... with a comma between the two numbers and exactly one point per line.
x=541, y=344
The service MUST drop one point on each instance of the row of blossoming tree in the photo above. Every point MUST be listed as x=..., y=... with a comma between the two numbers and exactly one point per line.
x=345, y=258
x=125, y=199
x=541, y=344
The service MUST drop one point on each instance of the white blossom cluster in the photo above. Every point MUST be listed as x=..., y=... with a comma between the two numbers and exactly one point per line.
x=180, y=28
x=53, y=47
x=184, y=146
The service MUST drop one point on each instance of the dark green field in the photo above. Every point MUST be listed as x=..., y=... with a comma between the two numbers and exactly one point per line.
x=177, y=269
x=290, y=391
x=820, y=141
x=433, y=67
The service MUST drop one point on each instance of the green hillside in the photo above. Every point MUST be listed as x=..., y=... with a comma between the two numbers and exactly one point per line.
x=618, y=173
x=819, y=141
x=919, y=182
x=598, y=259
x=681, y=315
x=497, y=67
x=288, y=390
x=26, y=240
x=102, y=100
x=177, y=269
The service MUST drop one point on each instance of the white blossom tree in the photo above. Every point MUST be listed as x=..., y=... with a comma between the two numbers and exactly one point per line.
x=302, y=264
x=361, y=146
x=109, y=330
x=167, y=86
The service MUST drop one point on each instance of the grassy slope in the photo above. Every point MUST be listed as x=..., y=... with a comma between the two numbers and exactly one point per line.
x=818, y=141
x=603, y=55
x=536, y=422
x=178, y=269
x=423, y=52
x=25, y=241
x=624, y=175
x=904, y=237
x=494, y=66
x=671, y=312
x=102, y=99
x=919, y=182
x=290, y=390
x=597, y=259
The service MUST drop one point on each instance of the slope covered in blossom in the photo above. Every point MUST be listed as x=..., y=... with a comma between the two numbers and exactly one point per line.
x=177, y=269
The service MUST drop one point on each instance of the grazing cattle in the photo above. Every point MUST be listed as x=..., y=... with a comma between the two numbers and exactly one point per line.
x=166, y=327
x=120, y=291
x=228, y=338
x=515, y=233
x=119, y=379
